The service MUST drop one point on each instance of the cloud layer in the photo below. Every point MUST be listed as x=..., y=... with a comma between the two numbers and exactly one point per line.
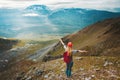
x=92, y=4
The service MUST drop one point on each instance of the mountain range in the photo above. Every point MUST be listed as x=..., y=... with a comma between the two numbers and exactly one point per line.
x=39, y=21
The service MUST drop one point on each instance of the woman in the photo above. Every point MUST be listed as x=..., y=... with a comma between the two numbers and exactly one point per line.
x=68, y=56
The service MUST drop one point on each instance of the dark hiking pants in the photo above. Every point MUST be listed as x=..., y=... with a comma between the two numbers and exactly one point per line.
x=69, y=69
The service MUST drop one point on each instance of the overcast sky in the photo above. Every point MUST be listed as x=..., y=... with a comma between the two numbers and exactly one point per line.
x=92, y=4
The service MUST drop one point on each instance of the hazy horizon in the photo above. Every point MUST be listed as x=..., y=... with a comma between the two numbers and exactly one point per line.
x=49, y=19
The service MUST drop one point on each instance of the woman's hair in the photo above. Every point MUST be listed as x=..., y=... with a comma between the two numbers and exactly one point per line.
x=69, y=48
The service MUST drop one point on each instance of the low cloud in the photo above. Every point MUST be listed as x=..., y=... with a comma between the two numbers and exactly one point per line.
x=92, y=4
x=31, y=14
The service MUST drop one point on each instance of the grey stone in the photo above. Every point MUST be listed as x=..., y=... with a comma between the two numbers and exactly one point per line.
x=88, y=78
x=46, y=76
x=39, y=72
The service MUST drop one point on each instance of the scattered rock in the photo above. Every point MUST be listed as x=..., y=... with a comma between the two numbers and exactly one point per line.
x=81, y=69
x=110, y=63
x=88, y=78
x=78, y=58
x=107, y=63
x=34, y=60
x=92, y=76
x=46, y=76
x=29, y=78
x=63, y=70
x=97, y=69
x=6, y=60
x=39, y=72
x=61, y=58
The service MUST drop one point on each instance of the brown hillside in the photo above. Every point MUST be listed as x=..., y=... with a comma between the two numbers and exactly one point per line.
x=6, y=44
x=99, y=39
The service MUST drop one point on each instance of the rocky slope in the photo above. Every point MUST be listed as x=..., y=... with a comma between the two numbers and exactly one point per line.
x=84, y=68
x=99, y=39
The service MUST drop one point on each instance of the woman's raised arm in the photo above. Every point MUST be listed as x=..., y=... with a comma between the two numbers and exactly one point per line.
x=63, y=44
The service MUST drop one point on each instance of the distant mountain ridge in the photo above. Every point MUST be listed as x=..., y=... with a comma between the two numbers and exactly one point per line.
x=80, y=17
x=42, y=9
x=40, y=20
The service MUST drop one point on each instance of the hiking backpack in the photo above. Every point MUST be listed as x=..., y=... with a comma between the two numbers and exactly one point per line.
x=66, y=58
